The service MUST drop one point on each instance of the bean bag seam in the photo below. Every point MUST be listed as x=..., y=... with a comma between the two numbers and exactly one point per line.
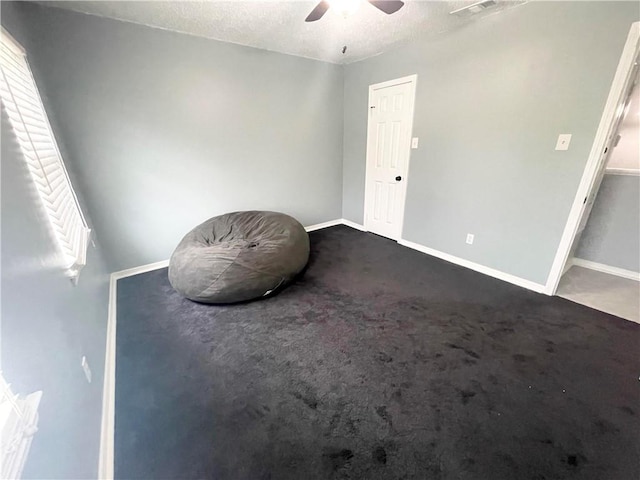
x=220, y=274
x=271, y=274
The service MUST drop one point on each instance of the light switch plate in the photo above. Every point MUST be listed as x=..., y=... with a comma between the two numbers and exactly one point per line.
x=564, y=139
x=414, y=142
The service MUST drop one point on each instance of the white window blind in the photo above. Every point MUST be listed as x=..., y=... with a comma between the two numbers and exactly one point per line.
x=18, y=424
x=29, y=121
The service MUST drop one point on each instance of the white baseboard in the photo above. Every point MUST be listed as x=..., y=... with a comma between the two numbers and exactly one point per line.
x=319, y=226
x=141, y=269
x=567, y=266
x=521, y=282
x=351, y=224
x=333, y=223
x=623, y=171
x=106, y=462
x=107, y=432
x=106, y=466
x=601, y=267
x=165, y=263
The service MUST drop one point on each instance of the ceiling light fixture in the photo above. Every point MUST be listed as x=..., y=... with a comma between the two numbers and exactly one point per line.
x=344, y=8
x=347, y=7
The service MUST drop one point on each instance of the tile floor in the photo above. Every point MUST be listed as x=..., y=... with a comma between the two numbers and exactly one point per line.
x=602, y=291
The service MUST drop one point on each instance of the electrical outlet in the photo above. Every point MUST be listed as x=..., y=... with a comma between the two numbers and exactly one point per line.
x=86, y=369
x=470, y=238
x=564, y=140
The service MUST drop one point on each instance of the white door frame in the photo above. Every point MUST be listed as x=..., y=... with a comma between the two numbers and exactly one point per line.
x=604, y=135
x=412, y=80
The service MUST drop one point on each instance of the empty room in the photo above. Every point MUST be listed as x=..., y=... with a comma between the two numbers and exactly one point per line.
x=345, y=239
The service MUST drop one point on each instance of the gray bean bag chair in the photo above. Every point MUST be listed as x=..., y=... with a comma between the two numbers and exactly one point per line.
x=238, y=256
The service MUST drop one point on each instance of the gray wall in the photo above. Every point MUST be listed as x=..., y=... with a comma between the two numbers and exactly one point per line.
x=47, y=323
x=166, y=130
x=612, y=234
x=491, y=100
x=163, y=130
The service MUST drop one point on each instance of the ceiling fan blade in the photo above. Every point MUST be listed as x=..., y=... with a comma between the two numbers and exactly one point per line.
x=387, y=6
x=318, y=12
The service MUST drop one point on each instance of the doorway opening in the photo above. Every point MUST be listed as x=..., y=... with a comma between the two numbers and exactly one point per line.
x=603, y=267
x=604, y=143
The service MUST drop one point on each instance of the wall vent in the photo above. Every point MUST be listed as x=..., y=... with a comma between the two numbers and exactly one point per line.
x=474, y=8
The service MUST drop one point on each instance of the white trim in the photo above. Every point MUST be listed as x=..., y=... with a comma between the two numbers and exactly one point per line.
x=106, y=463
x=107, y=433
x=106, y=466
x=521, y=282
x=413, y=81
x=165, y=263
x=568, y=265
x=319, y=226
x=333, y=223
x=603, y=135
x=601, y=267
x=623, y=171
x=351, y=224
x=142, y=269
x=394, y=82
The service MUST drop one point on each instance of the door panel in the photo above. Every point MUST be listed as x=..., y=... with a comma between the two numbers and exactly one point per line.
x=388, y=148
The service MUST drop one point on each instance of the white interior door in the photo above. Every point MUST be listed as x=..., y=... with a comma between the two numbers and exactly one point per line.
x=388, y=148
x=610, y=145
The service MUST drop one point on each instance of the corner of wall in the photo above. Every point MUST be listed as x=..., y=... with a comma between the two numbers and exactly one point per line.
x=344, y=122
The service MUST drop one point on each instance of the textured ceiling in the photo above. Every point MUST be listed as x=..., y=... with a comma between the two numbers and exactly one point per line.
x=279, y=25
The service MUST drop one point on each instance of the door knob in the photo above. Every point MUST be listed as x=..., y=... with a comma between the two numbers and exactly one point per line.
x=398, y=178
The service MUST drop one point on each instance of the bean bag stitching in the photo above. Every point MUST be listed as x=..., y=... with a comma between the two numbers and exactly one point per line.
x=271, y=274
x=236, y=262
x=220, y=274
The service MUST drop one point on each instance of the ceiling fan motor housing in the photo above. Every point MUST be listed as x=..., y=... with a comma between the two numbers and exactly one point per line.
x=348, y=7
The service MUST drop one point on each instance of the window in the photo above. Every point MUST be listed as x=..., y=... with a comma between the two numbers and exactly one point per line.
x=18, y=424
x=24, y=108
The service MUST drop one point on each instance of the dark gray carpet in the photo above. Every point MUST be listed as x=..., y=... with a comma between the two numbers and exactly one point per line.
x=378, y=363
